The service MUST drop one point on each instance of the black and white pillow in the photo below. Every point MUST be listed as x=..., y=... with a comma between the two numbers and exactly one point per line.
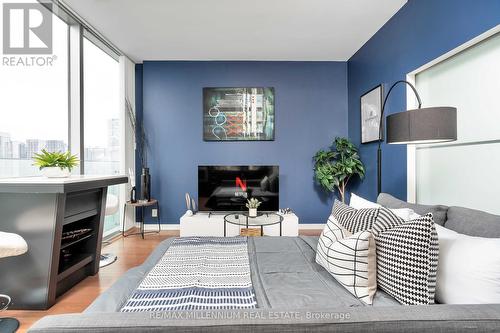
x=350, y=259
x=331, y=233
x=353, y=219
x=386, y=219
x=340, y=210
x=407, y=258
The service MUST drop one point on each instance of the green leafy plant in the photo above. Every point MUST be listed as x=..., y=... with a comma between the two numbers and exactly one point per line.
x=334, y=168
x=253, y=203
x=59, y=159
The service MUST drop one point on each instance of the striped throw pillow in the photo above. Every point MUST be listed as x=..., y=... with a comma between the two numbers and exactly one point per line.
x=332, y=232
x=352, y=262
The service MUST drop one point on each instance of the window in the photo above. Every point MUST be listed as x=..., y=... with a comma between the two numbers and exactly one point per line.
x=102, y=120
x=34, y=107
x=40, y=105
x=461, y=173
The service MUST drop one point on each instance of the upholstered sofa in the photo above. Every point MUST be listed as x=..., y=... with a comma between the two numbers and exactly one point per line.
x=294, y=294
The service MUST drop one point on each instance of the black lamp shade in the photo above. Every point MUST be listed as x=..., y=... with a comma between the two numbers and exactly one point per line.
x=426, y=125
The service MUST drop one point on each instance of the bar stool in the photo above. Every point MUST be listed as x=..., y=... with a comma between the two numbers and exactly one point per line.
x=10, y=245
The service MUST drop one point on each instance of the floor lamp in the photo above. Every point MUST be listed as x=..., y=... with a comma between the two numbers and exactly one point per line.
x=421, y=125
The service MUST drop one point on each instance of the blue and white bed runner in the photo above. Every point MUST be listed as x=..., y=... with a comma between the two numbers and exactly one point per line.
x=197, y=273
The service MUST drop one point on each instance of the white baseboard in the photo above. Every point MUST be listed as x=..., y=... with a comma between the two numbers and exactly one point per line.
x=154, y=226
x=311, y=226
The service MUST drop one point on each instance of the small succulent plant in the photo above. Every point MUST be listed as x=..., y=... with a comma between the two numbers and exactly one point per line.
x=62, y=160
x=253, y=203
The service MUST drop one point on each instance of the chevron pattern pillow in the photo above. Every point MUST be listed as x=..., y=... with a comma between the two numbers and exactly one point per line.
x=354, y=220
x=340, y=209
x=386, y=219
x=352, y=262
x=407, y=258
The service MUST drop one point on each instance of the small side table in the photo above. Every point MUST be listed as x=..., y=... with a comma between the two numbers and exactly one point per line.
x=142, y=204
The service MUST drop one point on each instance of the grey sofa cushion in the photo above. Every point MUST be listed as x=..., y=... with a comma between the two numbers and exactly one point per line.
x=392, y=319
x=284, y=274
x=438, y=211
x=337, y=315
x=473, y=222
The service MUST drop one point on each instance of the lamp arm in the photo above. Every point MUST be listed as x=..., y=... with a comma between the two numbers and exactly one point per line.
x=379, y=150
x=385, y=101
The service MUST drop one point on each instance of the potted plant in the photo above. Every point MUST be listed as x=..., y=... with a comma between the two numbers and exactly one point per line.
x=55, y=164
x=334, y=168
x=252, y=205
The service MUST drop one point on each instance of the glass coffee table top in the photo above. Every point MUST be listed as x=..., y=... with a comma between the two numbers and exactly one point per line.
x=262, y=219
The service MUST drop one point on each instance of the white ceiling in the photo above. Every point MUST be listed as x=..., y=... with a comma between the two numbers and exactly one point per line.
x=237, y=29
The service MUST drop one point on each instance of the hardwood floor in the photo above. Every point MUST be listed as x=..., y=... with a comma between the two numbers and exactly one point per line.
x=310, y=232
x=131, y=251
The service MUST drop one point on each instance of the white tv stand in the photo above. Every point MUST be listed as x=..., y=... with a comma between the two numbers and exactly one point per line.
x=212, y=224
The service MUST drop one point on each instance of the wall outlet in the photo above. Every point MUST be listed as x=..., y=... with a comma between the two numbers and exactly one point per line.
x=154, y=212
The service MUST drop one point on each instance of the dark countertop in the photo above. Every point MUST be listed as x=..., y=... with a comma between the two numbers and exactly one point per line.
x=58, y=185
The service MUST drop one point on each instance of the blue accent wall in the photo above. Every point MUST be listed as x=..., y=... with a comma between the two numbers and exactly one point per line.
x=420, y=32
x=311, y=109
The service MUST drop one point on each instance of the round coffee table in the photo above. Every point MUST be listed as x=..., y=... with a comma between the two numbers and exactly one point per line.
x=261, y=220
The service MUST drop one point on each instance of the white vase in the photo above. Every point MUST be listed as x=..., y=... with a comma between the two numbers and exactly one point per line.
x=252, y=212
x=55, y=172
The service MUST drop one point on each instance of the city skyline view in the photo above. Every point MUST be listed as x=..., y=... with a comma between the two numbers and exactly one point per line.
x=35, y=107
x=10, y=148
x=44, y=113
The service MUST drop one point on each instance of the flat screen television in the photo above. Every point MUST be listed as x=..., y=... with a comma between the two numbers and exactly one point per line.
x=223, y=188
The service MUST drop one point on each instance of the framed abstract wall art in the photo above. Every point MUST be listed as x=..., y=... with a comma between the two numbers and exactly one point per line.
x=238, y=114
x=371, y=107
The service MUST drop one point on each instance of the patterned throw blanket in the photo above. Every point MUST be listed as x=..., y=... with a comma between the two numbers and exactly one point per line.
x=197, y=273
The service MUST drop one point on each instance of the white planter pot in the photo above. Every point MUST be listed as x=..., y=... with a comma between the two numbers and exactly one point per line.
x=55, y=172
x=252, y=212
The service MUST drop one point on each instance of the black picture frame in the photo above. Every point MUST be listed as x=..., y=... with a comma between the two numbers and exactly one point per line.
x=370, y=113
x=268, y=100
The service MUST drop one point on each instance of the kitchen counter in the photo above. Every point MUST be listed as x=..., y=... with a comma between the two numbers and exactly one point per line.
x=47, y=213
x=57, y=185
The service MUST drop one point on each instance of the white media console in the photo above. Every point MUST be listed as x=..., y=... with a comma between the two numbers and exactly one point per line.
x=205, y=224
